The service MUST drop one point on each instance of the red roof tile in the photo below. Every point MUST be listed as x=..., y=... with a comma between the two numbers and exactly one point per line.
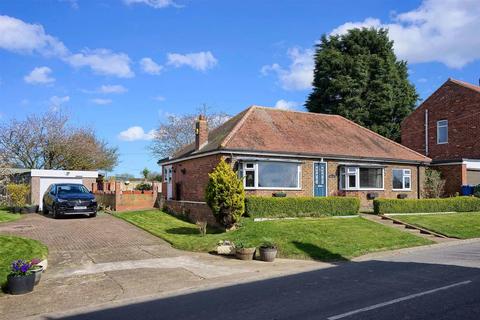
x=262, y=129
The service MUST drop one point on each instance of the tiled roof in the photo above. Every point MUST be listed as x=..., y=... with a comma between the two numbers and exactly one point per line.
x=263, y=129
x=465, y=84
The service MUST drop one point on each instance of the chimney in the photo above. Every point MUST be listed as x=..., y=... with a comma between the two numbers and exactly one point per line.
x=201, y=132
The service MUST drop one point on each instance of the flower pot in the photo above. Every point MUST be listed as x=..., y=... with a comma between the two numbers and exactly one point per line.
x=245, y=253
x=37, y=271
x=268, y=254
x=21, y=284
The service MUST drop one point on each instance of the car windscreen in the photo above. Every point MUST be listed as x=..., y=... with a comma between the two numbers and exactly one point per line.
x=69, y=189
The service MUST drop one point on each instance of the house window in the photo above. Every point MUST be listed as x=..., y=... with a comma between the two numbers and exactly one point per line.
x=402, y=179
x=361, y=178
x=442, y=131
x=270, y=175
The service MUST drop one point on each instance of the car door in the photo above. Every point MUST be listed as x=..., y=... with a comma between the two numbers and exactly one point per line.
x=50, y=196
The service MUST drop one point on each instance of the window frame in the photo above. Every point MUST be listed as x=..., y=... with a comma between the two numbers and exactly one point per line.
x=346, y=171
x=404, y=176
x=242, y=169
x=442, y=124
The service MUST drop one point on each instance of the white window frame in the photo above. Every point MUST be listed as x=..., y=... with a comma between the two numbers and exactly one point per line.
x=406, y=173
x=346, y=171
x=243, y=169
x=440, y=125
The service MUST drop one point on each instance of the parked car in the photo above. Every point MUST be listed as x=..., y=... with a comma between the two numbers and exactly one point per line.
x=69, y=198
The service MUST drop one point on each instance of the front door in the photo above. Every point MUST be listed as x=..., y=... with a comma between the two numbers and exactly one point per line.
x=320, y=179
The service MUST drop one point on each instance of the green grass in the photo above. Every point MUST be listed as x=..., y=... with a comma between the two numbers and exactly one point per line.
x=457, y=225
x=13, y=248
x=323, y=239
x=6, y=216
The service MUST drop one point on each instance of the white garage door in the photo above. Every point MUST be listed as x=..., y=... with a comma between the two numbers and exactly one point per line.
x=46, y=182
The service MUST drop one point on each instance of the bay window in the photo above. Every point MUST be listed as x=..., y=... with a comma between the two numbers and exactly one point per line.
x=270, y=175
x=361, y=178
x=402, y=179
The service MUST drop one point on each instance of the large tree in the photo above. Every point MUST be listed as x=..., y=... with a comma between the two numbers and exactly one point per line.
x=179, y=131
x=357, y=75
x=46, y=141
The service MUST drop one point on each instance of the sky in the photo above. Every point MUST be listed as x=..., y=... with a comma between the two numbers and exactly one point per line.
x=122, y=66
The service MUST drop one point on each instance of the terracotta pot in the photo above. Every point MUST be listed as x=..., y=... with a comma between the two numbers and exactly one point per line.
x=268, y=254
x=245, y=253
x=21, y=284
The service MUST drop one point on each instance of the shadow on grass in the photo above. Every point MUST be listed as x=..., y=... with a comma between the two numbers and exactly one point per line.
x=183, y=230
x=317, y=253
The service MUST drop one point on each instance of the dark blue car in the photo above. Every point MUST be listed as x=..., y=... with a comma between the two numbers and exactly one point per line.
x=67, y=199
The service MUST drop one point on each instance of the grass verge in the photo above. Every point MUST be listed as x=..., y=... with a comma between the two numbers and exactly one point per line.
x=6, y=216
x=325, y=239
x=457, y=225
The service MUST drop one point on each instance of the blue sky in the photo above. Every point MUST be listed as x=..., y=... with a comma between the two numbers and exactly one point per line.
x=121, y=66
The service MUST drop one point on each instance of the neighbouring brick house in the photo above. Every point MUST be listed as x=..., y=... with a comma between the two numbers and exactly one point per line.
x=299, y=153
x=446, y=128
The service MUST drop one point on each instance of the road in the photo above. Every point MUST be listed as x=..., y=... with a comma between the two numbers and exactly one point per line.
x=440, y=282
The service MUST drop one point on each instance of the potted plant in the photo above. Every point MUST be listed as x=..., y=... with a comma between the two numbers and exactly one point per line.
x=244, y=252
x=21, y=278
x=268, y=251
x=37, y=269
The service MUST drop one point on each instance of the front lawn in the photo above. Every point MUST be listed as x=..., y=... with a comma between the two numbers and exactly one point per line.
x=320, y=239
x=6, y=216
x=13, y=248
x=457, y=225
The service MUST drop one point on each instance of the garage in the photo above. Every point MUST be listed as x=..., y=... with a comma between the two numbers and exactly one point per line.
x=40, y=180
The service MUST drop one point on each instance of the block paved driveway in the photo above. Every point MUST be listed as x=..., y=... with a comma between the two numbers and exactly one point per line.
x=104, y=259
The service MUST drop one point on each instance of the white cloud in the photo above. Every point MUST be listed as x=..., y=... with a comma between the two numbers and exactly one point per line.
x=422, y=80
x=103, y=61
x=157, y=4
x=136, y=133
x=18, y=36
x=201, y=61
x=101, y=101
x=159, y=98
x=285, y=105
x=57, y=102
x=437, y=31
x=112, y=89
x=299, y=74
x=73, y=3
x=149, y=66
x=39, y=75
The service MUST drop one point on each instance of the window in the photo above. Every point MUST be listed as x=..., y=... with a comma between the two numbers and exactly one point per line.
x=270, y=174
x=402, y=179
x=442, y=131
x=361, y=178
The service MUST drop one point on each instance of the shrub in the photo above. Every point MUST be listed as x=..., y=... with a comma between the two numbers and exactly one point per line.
x=225, y=195
x=301, y=206
x=143, y=186
x=454, y=204
x=476, y=191
x=18, y=194
x=433, y=185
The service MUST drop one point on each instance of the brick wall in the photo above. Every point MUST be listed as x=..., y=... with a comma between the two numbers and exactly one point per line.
x=460, y=106
x=190, y=177
x=119, y=200
x=193, y=211
x=194, y=179
x=455, y=176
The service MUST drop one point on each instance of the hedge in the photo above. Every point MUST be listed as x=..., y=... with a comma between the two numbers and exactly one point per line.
x=265, y=207
x=454, y=204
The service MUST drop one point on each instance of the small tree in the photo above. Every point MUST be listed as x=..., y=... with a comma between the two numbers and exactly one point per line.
x=434, y=185
x=18, y=194
x=145, y=173
x=225, y=195
x=4, y=178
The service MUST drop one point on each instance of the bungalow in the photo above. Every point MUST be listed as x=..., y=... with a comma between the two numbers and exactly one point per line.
x=298, y=153
x=445, y=127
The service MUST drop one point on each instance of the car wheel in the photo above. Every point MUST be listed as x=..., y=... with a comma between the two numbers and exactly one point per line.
x=54, y=213
x=45, y=210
